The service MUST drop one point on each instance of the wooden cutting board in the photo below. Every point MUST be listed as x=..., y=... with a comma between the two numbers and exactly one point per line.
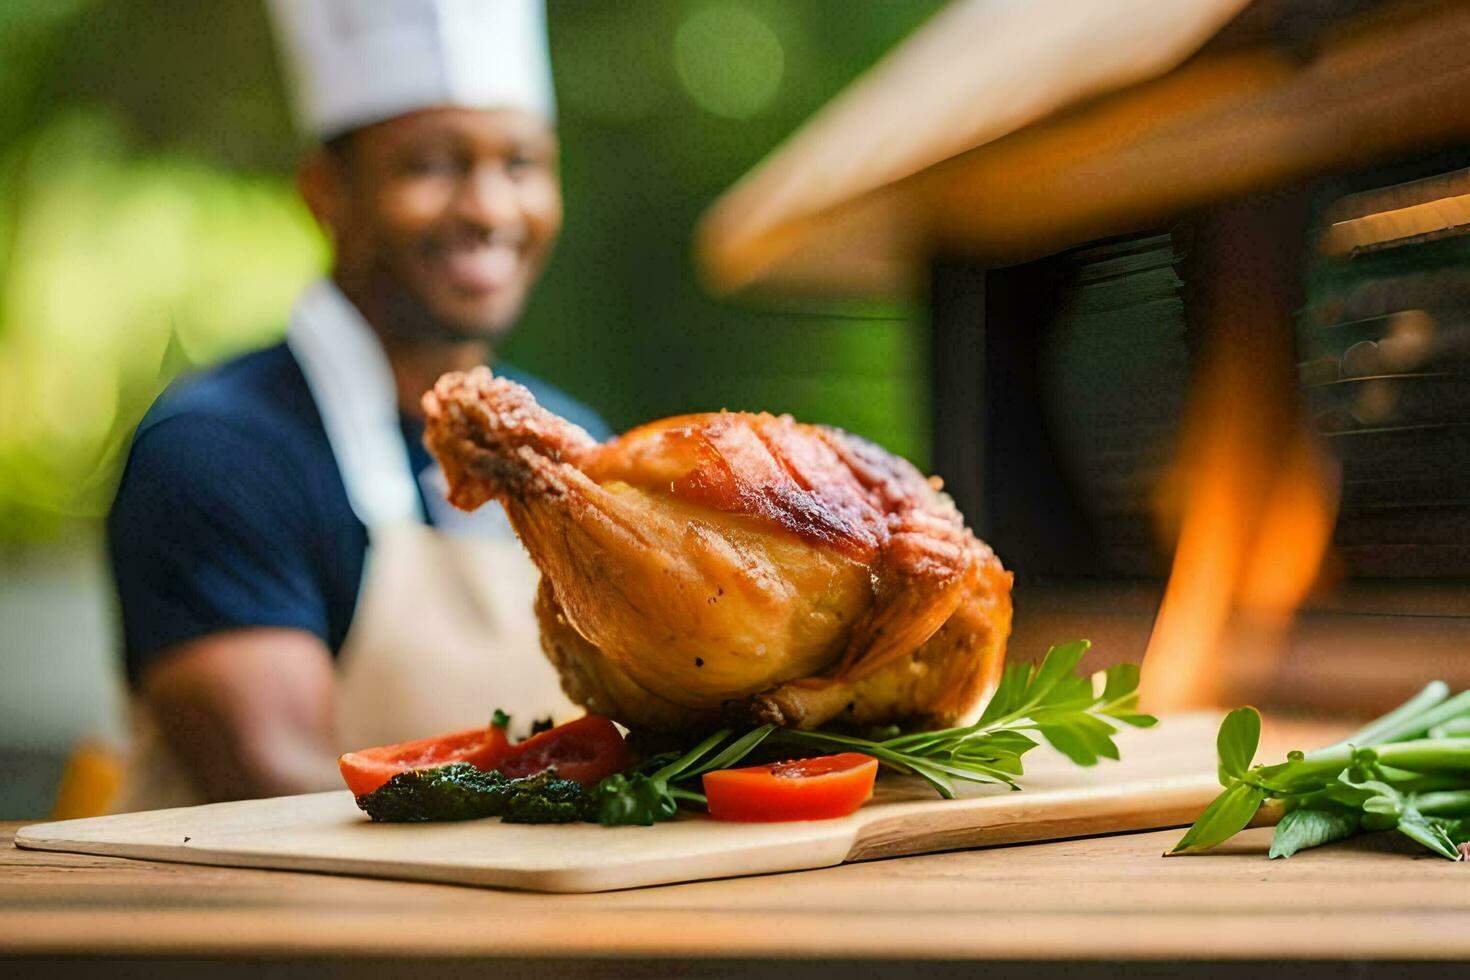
x=1166, y=778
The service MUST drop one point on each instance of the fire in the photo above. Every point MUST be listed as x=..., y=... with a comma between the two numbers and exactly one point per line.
x=1259, y=497
x=1251, y=544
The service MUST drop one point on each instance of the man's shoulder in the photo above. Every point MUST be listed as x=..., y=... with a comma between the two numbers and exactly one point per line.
x=553, y=399
x=260, y=396
x=230, y=513
x=244, y=428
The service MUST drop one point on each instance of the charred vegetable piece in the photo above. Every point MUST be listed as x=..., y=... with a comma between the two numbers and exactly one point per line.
x=458, y=791
x=462, y=792
x=544, y=798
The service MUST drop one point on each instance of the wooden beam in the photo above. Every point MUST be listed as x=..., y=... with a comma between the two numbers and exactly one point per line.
x=1387, y=84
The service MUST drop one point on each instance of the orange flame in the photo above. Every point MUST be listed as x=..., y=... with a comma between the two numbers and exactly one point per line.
x=1260, y=498
x=1251, y=545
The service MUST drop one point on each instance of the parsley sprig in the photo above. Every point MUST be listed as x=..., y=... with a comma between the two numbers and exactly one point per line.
x=1407, y=771
x=1078, y=716
x=651, y=793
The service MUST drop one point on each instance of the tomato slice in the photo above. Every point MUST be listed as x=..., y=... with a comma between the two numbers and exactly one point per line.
x=367, y=769
x=804, y=789
x=586, y=750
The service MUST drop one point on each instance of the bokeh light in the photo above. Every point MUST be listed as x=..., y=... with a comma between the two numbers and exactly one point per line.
x=729, y=60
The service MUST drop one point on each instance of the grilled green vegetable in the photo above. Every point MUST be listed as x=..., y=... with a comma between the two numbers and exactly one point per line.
x=544, y=798
x=461, y=792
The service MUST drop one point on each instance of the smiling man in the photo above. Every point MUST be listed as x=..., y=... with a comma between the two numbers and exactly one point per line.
x=292, y=583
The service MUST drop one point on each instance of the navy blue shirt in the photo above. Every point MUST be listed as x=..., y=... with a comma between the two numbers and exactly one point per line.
x=232, y=513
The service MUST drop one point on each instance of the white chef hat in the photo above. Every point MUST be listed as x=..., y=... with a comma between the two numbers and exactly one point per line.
x=357, y=62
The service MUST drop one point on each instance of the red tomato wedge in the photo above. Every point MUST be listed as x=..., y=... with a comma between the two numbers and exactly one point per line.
x=585, y=751
x=367, y=769
x=805, y=789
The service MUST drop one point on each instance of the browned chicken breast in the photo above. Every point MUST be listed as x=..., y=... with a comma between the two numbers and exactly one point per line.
x=730, y=564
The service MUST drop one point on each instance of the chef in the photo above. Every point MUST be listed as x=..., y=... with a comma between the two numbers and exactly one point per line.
x=292, y=583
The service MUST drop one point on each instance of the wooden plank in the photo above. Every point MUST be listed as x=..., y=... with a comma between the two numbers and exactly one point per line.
x=1166, y=776
x=1442, y=218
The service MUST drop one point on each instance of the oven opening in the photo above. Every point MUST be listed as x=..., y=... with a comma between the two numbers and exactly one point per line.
x=1236, y=448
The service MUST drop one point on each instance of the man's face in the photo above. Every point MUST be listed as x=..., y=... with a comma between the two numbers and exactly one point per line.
x=443, y=218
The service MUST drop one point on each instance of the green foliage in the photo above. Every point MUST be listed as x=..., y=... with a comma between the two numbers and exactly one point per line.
x=1304, y=828
x=1225, y=817
x=148, y=225
x=1236, y=743
x=1385, y=776
x=632, y=799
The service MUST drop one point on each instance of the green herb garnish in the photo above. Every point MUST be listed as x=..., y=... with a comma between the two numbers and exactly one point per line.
x=1047, y=699
x=1407, y=771
x=460, y=791
x=645, y=798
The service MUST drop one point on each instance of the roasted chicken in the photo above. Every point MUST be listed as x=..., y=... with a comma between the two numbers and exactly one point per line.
x=732, y=565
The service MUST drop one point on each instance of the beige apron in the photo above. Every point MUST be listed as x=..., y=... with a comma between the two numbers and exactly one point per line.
x=444, y=630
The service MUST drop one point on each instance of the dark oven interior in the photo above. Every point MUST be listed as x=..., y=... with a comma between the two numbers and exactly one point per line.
x=1060, y=387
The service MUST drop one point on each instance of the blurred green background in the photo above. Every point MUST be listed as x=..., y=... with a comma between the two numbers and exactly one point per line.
x=148, y=225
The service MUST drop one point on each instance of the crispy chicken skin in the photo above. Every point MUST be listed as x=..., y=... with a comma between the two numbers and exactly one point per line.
x=731, y=565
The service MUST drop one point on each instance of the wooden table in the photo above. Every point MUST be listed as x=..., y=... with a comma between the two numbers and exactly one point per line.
x=1105, y=904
